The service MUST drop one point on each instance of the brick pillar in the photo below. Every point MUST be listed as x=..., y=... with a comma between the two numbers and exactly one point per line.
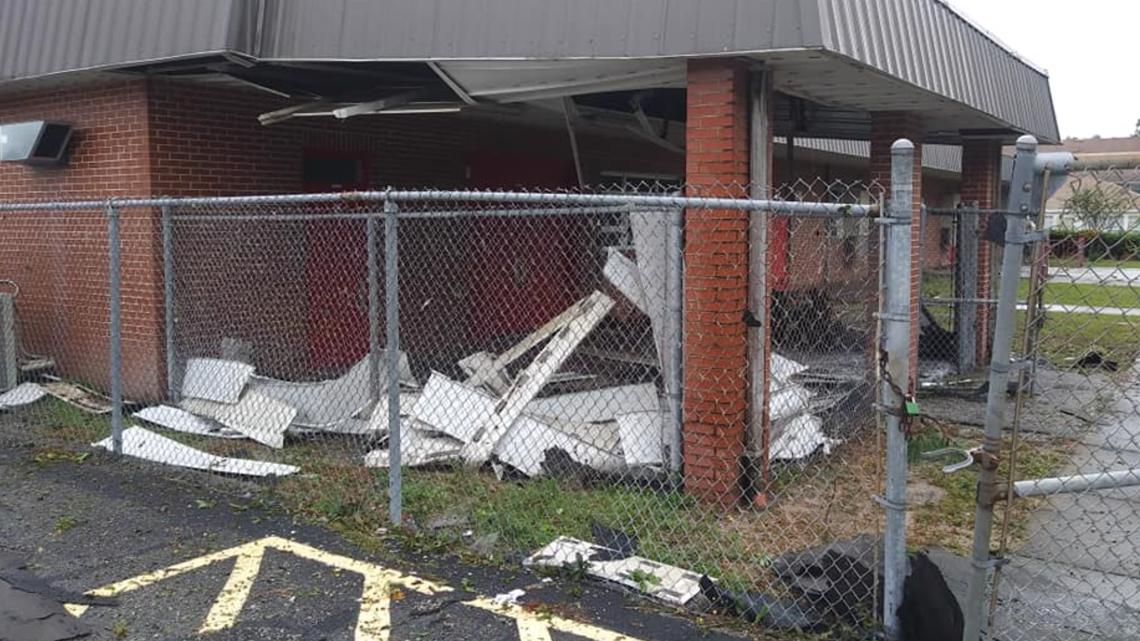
x=886, y=128
x=981, y=182
x=716, y=282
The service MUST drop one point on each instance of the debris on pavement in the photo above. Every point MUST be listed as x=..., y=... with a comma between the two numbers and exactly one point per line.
x=756, y=607
x=14, y=571
x=666, y=583
x=179, y=420
x=146, y=445
x=508, y=598
x=26, y=615
x=22, y=394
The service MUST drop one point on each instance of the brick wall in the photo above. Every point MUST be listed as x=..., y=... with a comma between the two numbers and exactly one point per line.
x=981, y=182
x=248, y=280
x=716, y=288
x=59, y=259
x=886, y=128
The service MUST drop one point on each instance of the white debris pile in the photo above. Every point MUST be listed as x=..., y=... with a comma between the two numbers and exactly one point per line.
x=796, y=432
x=227, y=399
x=493, y=415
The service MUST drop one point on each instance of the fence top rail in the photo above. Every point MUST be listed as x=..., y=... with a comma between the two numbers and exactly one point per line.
x=465, y=196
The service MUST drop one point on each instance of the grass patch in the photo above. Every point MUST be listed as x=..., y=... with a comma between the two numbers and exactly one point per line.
x=1061, y=293
x=55, y=420
x=1065, y=337
x=949, y=522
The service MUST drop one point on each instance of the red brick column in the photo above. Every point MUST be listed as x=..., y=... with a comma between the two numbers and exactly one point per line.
x=716, y=282
x=981, y=183
x=886, y=128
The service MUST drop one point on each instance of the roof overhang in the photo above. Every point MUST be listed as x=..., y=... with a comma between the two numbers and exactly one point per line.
x=839, y=55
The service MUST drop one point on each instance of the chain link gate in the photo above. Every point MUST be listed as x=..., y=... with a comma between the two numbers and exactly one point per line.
x=1058, y=466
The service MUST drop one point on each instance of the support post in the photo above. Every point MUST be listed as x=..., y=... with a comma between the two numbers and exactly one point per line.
x=392, y=318
x=759, y=298
x=965, y=283
x=896, y=338
x=115, y=276
x=169, y=319
x=1020, y=197
x=374, y=351
x=674, y=294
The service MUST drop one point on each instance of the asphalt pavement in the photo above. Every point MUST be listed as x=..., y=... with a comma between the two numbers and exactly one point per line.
x=194, y=557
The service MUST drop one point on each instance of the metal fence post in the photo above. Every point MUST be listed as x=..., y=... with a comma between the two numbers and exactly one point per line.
x=168, y=302
x=392, y=317
x=1020, y=196
x=373, y=311
x=966, y=288
x=675, y=297
x=896, y=338
x=114, y=293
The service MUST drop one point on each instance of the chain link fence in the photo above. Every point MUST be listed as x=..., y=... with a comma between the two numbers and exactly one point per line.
x=571, y=374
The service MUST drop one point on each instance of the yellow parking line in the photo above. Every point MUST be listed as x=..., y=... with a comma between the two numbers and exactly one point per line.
x=550, y=622
x=531, y=630
x=227, y=606
x=374, y=621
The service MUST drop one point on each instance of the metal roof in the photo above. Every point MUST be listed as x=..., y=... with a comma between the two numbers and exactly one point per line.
x=920, y=54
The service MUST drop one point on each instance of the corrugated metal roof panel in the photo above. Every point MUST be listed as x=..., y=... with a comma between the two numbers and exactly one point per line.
x=41, y=37
x=503, y=29
x=923, y=43
x=930, y=45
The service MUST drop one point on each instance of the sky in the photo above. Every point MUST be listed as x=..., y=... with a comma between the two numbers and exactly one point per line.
x=1091, y=49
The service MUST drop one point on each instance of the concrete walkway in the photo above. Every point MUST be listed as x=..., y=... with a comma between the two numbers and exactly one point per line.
x=1086, y=309
x=1078, y=574
x=1116, y=276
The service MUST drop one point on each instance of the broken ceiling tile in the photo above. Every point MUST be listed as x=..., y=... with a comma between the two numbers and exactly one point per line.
x=800, y=438
x=179, y=420
x=453, y=408
x=596, y=406
x=85, y=399
x=214, y=379
x=626, y=277
x=146, y=445
x=22, y=394
x=259, y=417
x=417, y=448
x=641, y=438
x=525, y=445
x=588, y=312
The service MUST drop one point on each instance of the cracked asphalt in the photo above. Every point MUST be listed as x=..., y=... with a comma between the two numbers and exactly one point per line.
x=83, y=525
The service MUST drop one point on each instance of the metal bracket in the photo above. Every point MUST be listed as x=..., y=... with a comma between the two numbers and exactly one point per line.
x=1027, y=238
x=968, y=457
x=888, y=504
x=890, y=220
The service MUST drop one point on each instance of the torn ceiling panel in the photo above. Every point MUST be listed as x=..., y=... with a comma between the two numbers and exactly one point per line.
x=529, y=80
